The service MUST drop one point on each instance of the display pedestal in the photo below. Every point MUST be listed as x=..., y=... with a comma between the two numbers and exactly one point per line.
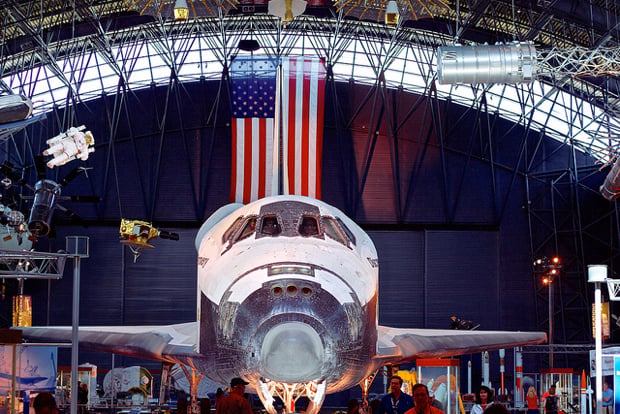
x=565, y=386
x=441, y=376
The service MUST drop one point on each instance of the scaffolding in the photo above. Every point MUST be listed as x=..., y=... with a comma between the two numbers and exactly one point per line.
x=32, y=265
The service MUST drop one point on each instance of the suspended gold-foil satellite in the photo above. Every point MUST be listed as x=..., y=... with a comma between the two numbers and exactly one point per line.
x=137, y=233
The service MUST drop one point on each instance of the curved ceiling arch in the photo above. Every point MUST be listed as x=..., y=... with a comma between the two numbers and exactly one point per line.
x=159, y=53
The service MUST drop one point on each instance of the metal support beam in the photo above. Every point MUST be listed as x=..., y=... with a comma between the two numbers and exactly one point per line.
x=32, y=265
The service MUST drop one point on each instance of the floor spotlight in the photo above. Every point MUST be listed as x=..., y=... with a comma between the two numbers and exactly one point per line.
x=500, y=63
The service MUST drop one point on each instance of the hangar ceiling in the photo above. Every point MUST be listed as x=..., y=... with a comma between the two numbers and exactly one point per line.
x=76, y=59
x=59, y=45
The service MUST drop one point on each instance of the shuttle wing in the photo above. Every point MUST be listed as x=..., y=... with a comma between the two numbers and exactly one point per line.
x=175, y=343
x=398, y=345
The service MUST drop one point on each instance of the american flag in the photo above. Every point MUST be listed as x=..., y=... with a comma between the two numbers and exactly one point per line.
x=257, y=94
x=254, y=132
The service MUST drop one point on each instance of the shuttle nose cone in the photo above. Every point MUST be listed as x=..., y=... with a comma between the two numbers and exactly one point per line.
x=292, y=352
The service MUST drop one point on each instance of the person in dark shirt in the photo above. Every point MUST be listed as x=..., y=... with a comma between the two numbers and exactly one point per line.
x=551, y=402
x=353, y=407
x=45, y=403
x=396, y=402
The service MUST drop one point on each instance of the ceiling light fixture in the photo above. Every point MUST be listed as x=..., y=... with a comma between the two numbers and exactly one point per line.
x=181, y=11
x=248, y=45
x=392, y=14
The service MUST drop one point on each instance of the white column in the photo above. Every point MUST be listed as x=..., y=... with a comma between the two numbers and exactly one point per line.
x=596, y=275
x=485, y=369
x=469, y=377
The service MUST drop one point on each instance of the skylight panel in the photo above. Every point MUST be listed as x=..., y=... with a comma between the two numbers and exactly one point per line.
x=412, y=67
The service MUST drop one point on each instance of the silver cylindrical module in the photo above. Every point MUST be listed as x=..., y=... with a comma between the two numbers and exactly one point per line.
x=45, y=195
x=500, y=63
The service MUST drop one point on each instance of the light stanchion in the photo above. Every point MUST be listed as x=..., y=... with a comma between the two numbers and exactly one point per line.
x=598, y=274
x=550, y=270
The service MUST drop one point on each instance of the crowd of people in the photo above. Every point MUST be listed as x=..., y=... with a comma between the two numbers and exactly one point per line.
x=422, y=401
x=395, y=402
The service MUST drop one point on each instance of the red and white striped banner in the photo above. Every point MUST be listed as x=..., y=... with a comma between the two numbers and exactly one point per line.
x=303, y=106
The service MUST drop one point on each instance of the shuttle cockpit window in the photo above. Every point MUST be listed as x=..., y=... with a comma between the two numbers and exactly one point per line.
x=248, y=229
x=270, y=226
x=346, y=230
x=333, y=231
x=309, y=226
x=228, y=234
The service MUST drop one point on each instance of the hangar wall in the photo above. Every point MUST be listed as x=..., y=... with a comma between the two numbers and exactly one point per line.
x=440, y=191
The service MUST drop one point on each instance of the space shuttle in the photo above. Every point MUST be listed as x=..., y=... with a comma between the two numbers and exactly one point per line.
x=287, y=299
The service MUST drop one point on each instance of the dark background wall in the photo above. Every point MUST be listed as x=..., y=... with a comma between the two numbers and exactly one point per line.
x=442, y=194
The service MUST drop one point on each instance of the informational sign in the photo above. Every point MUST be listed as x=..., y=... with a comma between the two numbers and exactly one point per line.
x=604, y=320
x=34, y=367
x=441, y=377
x=608, y=364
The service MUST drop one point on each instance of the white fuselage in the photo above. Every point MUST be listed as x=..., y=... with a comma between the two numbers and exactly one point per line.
x=293, y=305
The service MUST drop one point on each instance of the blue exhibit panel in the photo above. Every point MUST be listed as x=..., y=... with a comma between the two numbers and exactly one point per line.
x=35, y=367
x=616, y=384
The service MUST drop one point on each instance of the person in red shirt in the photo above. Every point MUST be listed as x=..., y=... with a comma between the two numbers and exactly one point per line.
x=532, y=401
x=422, y=401
x=235, y=402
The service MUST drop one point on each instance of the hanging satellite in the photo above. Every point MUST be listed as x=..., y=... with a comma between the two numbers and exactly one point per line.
x=46, y=195
x=136, y=234
x=287, y=10
x=70, y=145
